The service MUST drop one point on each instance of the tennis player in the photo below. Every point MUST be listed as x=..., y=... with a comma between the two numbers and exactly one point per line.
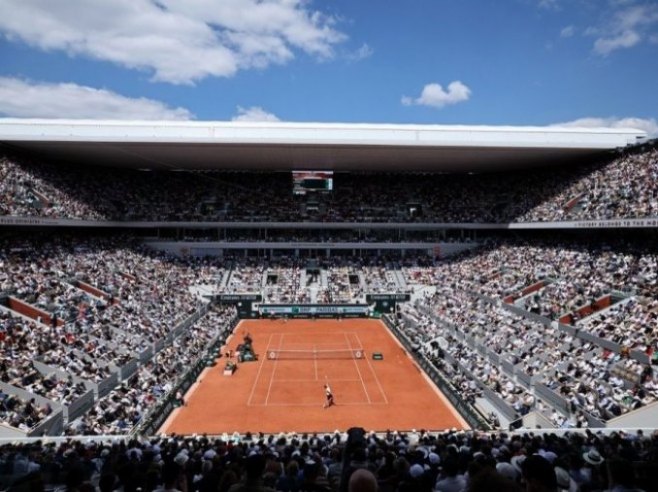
x=329, y=396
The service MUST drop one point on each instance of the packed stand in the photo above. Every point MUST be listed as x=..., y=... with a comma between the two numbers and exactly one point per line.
x=622, y=186
x=435, y=339
x=283, y=282
x=126, y=405
x=245, y=276
x=344, y=462
x=592, y=379
x=146, y=295
x=633, y=324
x=28, y=190
x=21, y=413
x=340, y=285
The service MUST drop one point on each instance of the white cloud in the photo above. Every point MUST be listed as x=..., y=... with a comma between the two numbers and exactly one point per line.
x=592, y=31
x=627, y=28
x=549, y=4
x=25, y=99
x=567, y=32
x=626, y=39
x=254, y=113
x=649, y=125
x=621, y=3
x=175, y=41
x=435, y=96
x=364, y=51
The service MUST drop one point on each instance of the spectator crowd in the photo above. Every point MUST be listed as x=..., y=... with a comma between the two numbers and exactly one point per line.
x=353, y=461
x=478, y=301
x=577, y=318
x=81, y=337
x=620, y=186
x=470, y=314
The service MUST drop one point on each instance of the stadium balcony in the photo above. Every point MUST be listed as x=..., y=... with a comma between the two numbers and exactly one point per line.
x=531, y=348
x=557, y=333
x=622, y=188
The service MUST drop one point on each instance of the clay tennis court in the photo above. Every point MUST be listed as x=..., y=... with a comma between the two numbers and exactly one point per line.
x=283, y=391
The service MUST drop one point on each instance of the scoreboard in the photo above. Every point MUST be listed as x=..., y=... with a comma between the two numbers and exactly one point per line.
x=304, y=182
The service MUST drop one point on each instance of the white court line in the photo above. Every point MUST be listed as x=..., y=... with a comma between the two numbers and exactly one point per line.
x=358, y=370
x=315, y=363
x=348, y=404
x=313, y=380
x=430, y=383
x=273, y=371
x=373, y=371
x=260, y=368
x=319, y=344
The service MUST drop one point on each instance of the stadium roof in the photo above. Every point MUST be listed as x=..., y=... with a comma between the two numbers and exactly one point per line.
x=284, y=146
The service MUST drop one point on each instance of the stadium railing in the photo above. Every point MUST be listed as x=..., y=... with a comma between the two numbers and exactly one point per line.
x=472, y=417
x=157, y=416
x=53, y=424
x=78, y=406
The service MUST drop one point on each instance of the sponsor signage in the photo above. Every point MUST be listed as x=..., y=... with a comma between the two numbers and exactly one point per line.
x=621, y=223
x=387, y=297
x=26, y=221
x=240, y=298
x=588, y=224
x=598, y=224
x=314, y=310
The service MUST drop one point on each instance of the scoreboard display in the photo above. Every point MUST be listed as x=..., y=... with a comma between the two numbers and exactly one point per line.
x=304, y=182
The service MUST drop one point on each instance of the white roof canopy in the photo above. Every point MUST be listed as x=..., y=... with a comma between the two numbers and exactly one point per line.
x=285, y=146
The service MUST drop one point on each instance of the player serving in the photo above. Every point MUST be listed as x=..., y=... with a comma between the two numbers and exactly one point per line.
x=329, y=396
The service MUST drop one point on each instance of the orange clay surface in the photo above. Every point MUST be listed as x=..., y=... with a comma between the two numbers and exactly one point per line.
x=288, y=395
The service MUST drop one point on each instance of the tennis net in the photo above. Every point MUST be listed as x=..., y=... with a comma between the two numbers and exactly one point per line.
x=282, y=354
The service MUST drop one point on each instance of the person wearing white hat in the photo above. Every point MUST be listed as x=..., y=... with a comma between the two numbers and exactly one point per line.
x=517, y=462
x=550, y=456
x=209, y=454
x=593, y=457
x=591, y=469
x=415, y=481
x=181, y=458
x=416, y=471
x=507, y=470
x=432, y=469
x=564, y=482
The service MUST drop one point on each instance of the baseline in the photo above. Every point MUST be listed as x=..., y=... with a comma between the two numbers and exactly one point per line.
x=333, y=380
x=341, y=404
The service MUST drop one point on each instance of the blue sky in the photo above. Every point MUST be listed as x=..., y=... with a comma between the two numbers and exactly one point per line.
x=493, y=62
